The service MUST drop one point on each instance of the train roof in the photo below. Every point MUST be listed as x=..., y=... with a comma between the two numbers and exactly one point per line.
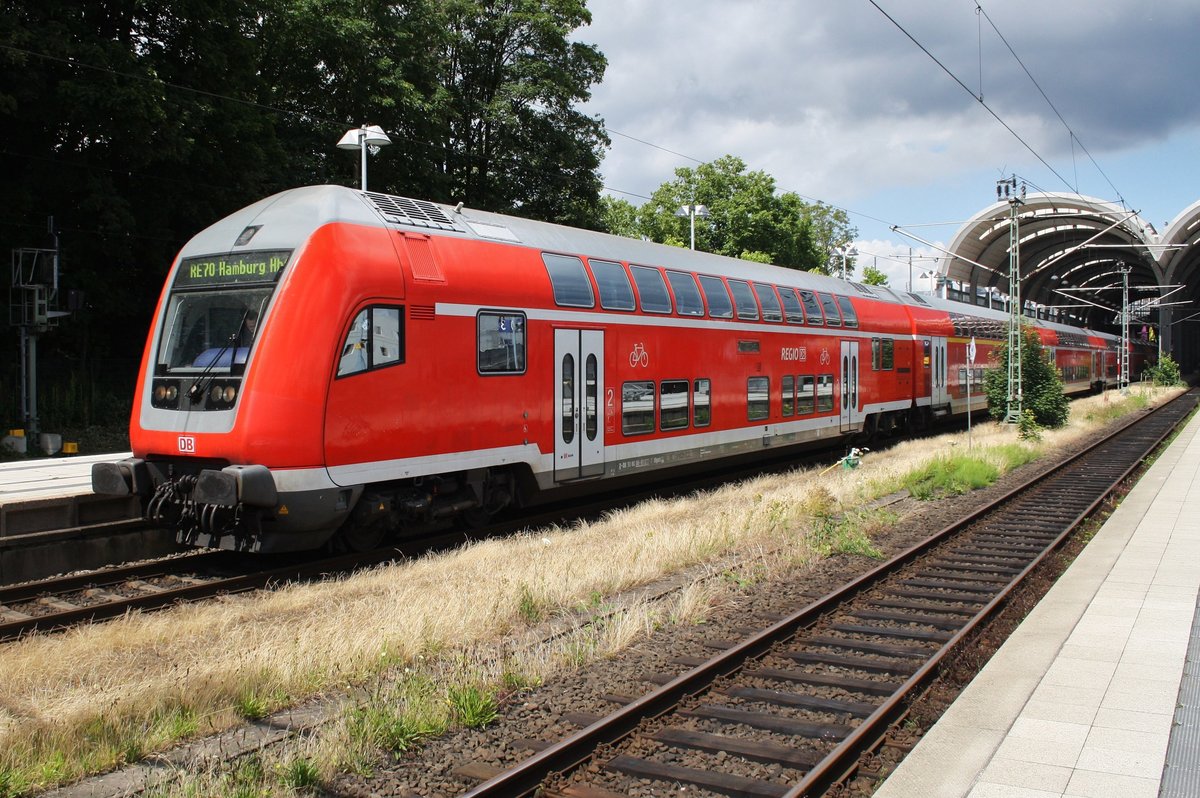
x=292, y=216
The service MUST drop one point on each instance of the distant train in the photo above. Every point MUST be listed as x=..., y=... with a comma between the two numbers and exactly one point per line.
x=330, y=361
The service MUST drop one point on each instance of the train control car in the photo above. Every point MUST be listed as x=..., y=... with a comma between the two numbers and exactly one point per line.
x=335, y=362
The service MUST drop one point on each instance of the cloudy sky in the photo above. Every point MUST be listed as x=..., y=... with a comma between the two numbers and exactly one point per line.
x=840, y=105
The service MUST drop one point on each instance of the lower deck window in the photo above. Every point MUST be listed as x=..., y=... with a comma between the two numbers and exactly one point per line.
x=758, y=398
x=637, y=407
x=806, y=394
x=788, y=391
x=673, y=404
x=701, y=403
x=824, y=392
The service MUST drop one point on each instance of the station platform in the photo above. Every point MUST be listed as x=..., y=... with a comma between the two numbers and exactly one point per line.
x=25, y=480
x=1097, y=693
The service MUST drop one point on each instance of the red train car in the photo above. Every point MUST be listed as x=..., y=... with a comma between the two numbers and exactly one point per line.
x=329, y=359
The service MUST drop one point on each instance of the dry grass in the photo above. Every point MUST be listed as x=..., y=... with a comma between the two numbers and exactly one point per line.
x=99, y=695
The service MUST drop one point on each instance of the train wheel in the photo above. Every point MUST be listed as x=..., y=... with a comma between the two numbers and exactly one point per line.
x=360, y=537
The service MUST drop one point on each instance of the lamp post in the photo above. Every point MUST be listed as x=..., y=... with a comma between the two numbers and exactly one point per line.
x=366, y=137
x=848, y=250
x=691, y=212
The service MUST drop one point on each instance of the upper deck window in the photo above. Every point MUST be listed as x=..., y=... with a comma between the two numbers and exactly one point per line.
x=832, y=317
x=743, y=298
x=812, y=308
x=651, y=289
x=791, y=306
x=769, y=302
x=687, y=296
x=849, y=317
x=570, y=281
x=720, y=306
x=613, y=283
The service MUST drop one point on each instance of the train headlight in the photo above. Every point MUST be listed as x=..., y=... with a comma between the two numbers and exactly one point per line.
x=160, y=393
x=214, y=395
x=229, y=394
x=172, y=392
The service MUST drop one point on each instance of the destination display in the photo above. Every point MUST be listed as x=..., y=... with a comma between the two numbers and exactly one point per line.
x=232, y=269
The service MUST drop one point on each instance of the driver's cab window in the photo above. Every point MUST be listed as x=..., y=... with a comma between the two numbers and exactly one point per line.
x=375, y=339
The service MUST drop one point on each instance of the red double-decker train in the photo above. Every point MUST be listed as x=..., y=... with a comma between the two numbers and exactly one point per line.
x=330, y=361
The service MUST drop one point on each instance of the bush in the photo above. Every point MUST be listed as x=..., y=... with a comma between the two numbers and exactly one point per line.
x=1165, y=372
x=1041, y=387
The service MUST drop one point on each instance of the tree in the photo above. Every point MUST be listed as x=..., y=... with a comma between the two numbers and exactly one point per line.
x=512, y=139
x=619, y=217
x=746, y=215
x=1041, y=386
x=873, y=275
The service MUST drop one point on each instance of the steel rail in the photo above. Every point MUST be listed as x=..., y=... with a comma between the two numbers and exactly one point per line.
x=570, y=753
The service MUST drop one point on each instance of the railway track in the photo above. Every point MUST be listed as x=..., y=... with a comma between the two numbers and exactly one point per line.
x=788, y=710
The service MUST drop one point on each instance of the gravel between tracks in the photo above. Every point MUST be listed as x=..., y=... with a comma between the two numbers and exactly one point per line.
x=429, y=771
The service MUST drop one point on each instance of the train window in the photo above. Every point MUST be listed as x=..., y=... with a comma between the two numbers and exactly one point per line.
x=500, y=342
x=743, y=299
x=788, y=391
x=613, y=283
x=887, y=356
x=651, y=289
x=806, y=394
x=687, y=295
x=832, y=317
x=849, y=317
x=769, y=302
x=701, y=404
x=637, y=407
x=792, y=311
x=568, y=398
x=570, y=281
x=758, y=398
x=591, y=405
x=720, y=306
x=375, y=339
x=673, y=404
x=875, y=354
x=824, y=392
x=812, y=308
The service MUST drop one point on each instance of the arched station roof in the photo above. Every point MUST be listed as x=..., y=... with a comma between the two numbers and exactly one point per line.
x=1071, y=247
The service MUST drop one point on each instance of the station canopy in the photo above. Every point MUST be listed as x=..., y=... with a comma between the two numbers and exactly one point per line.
x=1072, y=252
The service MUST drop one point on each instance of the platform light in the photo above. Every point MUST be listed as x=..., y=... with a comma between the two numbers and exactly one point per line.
x=367, y=137
x=849, y=250
x=691, y=212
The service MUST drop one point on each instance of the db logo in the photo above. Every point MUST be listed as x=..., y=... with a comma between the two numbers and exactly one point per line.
x=187, y=444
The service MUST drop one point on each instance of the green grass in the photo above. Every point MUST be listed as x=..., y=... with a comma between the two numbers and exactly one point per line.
x=950, y=475
x=472, y=706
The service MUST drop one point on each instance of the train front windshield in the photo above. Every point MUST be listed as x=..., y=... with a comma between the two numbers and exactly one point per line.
x=214, y=309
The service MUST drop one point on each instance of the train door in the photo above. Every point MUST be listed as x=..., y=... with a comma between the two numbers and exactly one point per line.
x=579, y=385
x=851, y=413
x=939, y=390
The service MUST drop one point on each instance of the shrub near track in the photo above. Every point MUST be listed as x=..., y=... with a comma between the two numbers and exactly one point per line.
x=95, y=697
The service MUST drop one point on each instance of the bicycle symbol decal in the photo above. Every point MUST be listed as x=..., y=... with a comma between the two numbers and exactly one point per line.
x=639, y=356
x=824, y=357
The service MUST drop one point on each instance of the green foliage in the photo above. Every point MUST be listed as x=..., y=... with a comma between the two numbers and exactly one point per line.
x=300, y=774
x=1028, y=429
x=471, y=706
x=748, y=217
x=381, y=726
x=1041, y=386
x=874, y=276
x=1165, y=371
x=252, y=706
x=950, y=475
x=136, y=124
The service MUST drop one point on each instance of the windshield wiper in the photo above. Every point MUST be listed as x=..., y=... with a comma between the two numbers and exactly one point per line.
x=196, y=389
